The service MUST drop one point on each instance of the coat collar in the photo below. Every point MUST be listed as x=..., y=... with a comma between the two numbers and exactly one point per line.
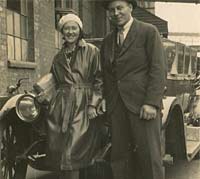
x=61, y=54
x=81, y=43
x=130, y=38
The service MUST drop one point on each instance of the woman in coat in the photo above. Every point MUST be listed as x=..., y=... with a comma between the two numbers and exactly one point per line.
x=73, y=133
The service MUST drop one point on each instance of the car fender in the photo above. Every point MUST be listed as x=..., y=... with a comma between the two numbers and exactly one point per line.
x=9, y=105
x=173, y=127
x=168, y=105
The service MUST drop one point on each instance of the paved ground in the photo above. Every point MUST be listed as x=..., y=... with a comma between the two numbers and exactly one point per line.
x=181, y=170
x=36, y=174
x=184, y=170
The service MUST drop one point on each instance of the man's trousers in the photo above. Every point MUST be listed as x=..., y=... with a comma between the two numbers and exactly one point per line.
x=136, y=145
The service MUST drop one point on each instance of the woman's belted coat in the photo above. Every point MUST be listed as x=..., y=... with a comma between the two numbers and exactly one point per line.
x=73, y=138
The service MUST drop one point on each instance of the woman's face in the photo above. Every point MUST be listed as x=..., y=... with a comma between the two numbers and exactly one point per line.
x=71, y=32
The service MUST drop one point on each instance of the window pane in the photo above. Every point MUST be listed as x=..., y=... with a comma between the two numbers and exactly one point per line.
x=10, y=22
x=58, y=39
x=24, y=27
x=187, y=60
x=57, y=3
x=193, y=65
x=58, y=16
x=87, y=16
x=24, y=50
x=170, y=51
x=187, y=63
x=17, y=24
x=180, y=49
x=67, y=3
x=24, y=7
x=180, y=64
x=17, y=49
x=10, y=41
x=14, y=5
x=194, y=62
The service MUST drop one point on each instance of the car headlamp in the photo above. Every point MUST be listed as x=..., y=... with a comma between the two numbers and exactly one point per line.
x=27, y=108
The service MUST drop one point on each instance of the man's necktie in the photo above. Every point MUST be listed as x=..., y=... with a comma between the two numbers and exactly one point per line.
x=120, y=37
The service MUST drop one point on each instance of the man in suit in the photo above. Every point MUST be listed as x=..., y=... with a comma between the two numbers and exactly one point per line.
x=134, y=72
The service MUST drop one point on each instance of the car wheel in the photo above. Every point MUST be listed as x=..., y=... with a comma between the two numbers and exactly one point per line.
x=10, y=167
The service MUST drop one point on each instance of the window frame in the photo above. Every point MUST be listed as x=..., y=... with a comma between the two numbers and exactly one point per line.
x=64, y=8
x=22, y=36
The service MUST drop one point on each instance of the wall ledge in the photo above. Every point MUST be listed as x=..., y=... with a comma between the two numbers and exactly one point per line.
x=21, y=64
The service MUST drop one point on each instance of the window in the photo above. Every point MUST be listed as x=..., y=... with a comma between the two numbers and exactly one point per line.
x=62, y=7
x=63, y=3
x=193, y=62
x=87, y=15
x=180, y=50
x=187, y=60
x=187, y=63
x=170, y=50
x=17, y=30
x=58, y=40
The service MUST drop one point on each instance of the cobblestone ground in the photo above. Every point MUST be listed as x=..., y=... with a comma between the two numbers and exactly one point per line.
x=181, y=170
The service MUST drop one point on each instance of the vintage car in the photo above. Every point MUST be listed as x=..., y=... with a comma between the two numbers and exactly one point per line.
x=23, y=135
x=22, y=122
x=181, y=112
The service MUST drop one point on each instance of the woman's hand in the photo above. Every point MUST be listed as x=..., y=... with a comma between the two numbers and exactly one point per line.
x=40, y=97
x=92, y=113
x=101, y=108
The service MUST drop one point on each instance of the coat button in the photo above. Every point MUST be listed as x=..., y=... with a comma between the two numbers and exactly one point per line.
x=118, y=81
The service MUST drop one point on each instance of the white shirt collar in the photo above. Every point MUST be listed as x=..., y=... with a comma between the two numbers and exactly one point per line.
x=127, y=27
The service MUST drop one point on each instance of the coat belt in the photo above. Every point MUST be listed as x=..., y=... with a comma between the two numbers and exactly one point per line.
x=75, y=85
x=67, y=111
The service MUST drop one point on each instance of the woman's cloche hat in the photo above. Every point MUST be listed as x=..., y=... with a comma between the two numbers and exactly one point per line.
x=69, y=17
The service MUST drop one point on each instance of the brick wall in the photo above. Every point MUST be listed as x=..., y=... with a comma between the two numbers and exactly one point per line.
x=3, y=52
x=44, y=39
x=8, y=75
x=41, y=44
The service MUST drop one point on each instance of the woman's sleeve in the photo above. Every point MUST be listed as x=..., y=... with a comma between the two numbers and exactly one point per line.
x=98, y=81
x=53, y=71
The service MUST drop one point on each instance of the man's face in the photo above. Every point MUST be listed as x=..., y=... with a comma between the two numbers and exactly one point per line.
x=119, y=12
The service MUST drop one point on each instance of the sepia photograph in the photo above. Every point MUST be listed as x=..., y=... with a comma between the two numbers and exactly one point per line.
x=99, y=89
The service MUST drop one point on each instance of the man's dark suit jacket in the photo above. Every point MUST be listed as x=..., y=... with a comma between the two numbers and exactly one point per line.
x=139, y=73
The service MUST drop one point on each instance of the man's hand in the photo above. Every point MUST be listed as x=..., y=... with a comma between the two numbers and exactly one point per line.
x=92, y=113
x=148, y=112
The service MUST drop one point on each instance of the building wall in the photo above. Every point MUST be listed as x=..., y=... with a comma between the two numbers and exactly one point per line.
x=8, y=75
x=44, y=35
x=3, y=53
x=192, y=39
x=41, y=45
x=149, y=6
